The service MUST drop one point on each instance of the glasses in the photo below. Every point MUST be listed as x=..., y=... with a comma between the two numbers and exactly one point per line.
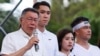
x=32, y=19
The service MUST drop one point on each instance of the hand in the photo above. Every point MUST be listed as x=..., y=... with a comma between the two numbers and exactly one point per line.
x=32, y=41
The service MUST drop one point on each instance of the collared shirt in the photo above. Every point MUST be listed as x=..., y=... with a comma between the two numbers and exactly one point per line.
x=17, y=40
x=49, y=41
x=62, y=54
x=80, y=51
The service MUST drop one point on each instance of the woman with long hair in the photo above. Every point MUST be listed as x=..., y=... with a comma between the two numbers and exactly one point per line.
x=66, y=41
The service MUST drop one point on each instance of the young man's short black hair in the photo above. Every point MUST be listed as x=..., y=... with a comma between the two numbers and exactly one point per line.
x=38, y=4
x=78, y=20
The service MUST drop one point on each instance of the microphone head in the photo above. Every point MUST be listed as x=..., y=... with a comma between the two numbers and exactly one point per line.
x=35, y=33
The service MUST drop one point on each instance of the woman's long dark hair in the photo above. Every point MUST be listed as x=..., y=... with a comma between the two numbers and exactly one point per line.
x=61, y=34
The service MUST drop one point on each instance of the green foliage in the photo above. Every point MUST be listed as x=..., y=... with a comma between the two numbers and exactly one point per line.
x=3, y=1
x=1, y=38
x=63, y=16
x=56, y=16
x=10, y=25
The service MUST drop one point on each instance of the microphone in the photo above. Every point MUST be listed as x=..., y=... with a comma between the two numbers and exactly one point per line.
x=36, y=45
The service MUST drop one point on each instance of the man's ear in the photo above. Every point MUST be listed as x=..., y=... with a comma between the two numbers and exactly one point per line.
x=21, y=19
x=76, y=32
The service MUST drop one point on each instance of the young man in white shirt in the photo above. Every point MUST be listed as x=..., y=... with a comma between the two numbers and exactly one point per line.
x=82, y=29
x=22, y=42
x=48, y=39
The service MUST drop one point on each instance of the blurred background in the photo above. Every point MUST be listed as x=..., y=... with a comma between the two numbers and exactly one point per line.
x=63, y=13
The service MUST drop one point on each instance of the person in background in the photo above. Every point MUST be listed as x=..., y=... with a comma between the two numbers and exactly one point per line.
x=66, y=42
x=48, y=39
x=22, y=42
x=82, y=29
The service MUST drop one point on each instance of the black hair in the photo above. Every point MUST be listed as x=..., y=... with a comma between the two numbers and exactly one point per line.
x=29, y=9
x=38, y=4
x=78, y=20
x=61, y=34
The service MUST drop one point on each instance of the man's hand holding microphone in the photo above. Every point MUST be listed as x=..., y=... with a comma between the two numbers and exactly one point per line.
x=33, y=42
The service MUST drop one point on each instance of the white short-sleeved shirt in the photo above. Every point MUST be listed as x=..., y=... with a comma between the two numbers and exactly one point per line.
x=17, y=40
x=49, y=41
x=80, y=51
x=62, y=54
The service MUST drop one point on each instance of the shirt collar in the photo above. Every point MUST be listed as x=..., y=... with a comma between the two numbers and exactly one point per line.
x=45, y=31
x=23, y=33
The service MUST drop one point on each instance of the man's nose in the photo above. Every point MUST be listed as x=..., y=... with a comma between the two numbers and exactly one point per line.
x=89, y=30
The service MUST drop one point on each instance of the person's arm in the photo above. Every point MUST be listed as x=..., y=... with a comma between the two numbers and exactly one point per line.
x=18, y=53
x=22, y=51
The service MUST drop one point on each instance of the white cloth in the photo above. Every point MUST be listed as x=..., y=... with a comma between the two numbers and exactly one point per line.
x=80, y=51
x=80, y=25
x=49, y=41
x=62, y=54
x=18, y=39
